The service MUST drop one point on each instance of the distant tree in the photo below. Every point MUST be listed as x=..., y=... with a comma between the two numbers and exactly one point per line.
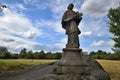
x=57, y=55
x=101, y=52
x=4, y=53
x=98, y=55
x=92, y=53
x=23, y=53
x=42, y=55
x=49, y=55
x=36, y=55
x=3, y=49
x=15, y=56
x=7, y=55
x=29, y=55
x=114, y=27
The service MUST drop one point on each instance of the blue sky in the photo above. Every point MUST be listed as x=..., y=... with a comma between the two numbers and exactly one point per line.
x=36, y=24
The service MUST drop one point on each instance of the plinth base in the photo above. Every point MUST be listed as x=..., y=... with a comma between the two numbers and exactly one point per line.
x=92, y=71
x=72, y=62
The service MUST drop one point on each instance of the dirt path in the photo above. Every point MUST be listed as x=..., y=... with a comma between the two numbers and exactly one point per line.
x=33, y=73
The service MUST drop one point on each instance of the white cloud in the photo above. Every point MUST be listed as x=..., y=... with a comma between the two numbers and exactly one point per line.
x=17, y=7
x=98, y=8
x=102, y=43
x=58, y=27
x=57, y=7
x=15, y=23
x=88, y=33
x=61, y=44
x=100, y=34
x=28, y=34
x=30, y=1
x=16, y=29
x=17, y=32
x=53, y=25
x=15, y=44
x=20, y=6
x=93, y=29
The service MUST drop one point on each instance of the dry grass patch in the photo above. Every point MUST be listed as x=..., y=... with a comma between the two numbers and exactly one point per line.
x=112, y=67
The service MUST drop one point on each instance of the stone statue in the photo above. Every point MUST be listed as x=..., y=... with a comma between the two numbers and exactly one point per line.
x=70, y=22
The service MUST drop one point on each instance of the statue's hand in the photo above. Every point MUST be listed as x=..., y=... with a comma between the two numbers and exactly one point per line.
x=81, y=14
x=78, y=16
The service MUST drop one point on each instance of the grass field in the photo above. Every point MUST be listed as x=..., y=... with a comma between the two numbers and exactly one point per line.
x=111, y=66
x=10, y=65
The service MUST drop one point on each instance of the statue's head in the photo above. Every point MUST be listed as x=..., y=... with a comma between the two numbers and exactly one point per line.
x=70, y=6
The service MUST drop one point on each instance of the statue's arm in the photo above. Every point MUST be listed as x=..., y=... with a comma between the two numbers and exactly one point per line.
x=68, y=19
x=64, y=22
x=76, y=16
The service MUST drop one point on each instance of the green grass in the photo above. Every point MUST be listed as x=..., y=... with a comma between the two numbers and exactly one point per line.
x=11, y=65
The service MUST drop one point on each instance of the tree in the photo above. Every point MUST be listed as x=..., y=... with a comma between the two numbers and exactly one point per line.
x=36, y=55
x=114, y=26
x=29, y=55
x=98, y=55
x=3, y=49
x=7, y=55
x=23, y=53
x=15, y=56
x=42, y=55
x=4, y=53
x=49, y=55
x=57, y=55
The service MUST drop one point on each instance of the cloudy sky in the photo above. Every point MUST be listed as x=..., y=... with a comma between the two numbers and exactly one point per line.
x=36, y=24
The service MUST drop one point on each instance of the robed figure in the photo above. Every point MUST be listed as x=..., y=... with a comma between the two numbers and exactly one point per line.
x=70, y=22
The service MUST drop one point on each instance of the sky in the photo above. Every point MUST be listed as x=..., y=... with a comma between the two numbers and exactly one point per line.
x=36, y=25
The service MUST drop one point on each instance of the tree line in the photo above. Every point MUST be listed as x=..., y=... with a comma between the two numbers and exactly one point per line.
x=24, y=54
x=104, y=55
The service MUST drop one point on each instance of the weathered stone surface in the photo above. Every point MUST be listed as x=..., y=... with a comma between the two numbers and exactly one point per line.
x=70, y=22
x=96, y=72
x=72, y=56
x=72, y=62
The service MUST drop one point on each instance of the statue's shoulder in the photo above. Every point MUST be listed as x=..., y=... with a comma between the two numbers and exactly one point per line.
x=66, y=12
x=69, y=12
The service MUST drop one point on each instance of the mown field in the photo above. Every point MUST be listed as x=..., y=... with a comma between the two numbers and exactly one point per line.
x=111, y=66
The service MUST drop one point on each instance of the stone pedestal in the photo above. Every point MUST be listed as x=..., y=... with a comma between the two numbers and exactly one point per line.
x=72, y=62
